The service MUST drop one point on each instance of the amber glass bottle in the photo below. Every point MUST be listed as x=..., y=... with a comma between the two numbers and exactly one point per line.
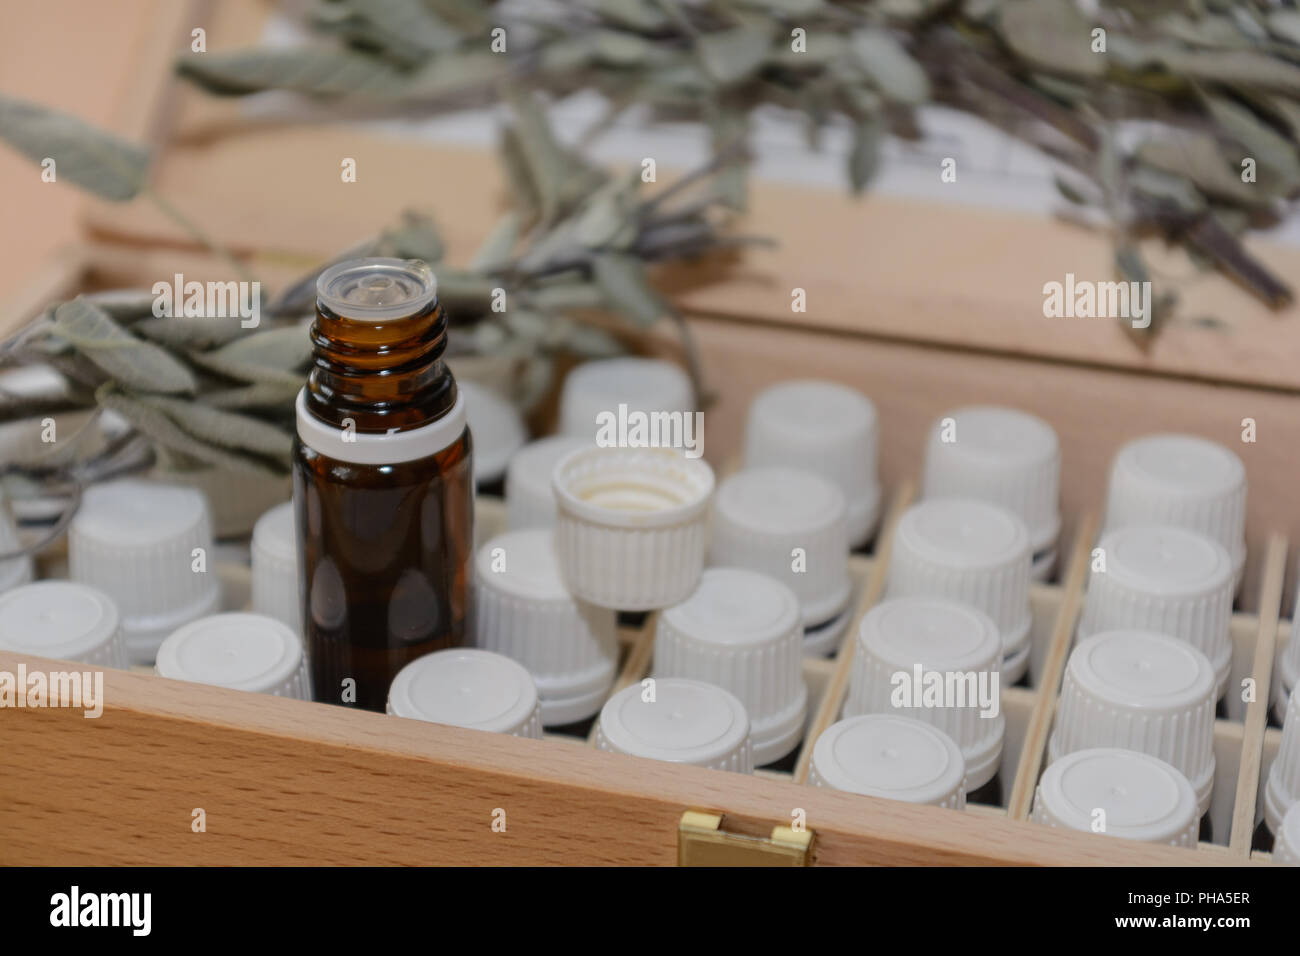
x=382, y=482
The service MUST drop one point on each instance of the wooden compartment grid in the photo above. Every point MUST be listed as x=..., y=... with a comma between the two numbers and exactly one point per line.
x=1243, y=743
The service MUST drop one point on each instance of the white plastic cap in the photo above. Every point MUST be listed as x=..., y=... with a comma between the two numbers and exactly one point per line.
x=884, y=755
x=1282, y=792
x=1141, y=691
x=63, y=620
x=243, y=651
x=275, y=567
x=465, y=687
x=1168, y=580
x=642, y=384
x=828, y=429
x=764, y=517
x=1119, y=792
x=495, y=427
x=523, y=610
x=974, y=552
x=1180, y=480
x=687, y=721
x=1287, y=674
x=530, y=499
x=1286, y=843
x=14, y=571
x=136, y=541
x=631, y=525
x=939, y=636
x=1006, y=457
x=741, y=631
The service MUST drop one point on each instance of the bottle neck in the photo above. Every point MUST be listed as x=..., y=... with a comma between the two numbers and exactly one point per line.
x=380, y=375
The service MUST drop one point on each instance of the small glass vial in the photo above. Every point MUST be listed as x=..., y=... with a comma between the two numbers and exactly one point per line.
x=931, y=647
x=250, y=652
x=898, y=758
x=680, y=721
x=467, y=687
x=63, y=620
x=1121, y=793
x=383, y=482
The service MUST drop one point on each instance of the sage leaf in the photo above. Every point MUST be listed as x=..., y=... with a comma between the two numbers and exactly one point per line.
x=190, y=332
x=98, y=162
x=864, y=158
x=891, y=68
x=226, y=429
x=155, y=424
x=119, y=354
x=496, y=249
x=624, y=282
x=729, y=56
x=276, y=356
x=1052, y=35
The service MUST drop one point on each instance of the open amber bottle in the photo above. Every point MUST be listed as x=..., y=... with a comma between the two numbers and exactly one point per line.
x=383, y=483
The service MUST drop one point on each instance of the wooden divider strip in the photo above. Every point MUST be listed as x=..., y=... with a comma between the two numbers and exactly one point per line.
x=1040, y=721
x=1252, y=743
x=871, y=592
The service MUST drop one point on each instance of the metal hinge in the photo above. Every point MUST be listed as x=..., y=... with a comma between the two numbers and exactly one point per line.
x=701, y=841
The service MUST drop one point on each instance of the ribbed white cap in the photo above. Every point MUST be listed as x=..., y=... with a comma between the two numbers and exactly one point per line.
x=15, y=571
x=1287, y=673
x=495, y=427
x=944, y=637
x=1006, y=457
x=1168, y=580
x=244, y=651
x=274, y=553
x=741, y=631
x=973, y=552
x=1286, y=843
x=828, y=429
x=467, y=687
x=63, y=620
x=530, y=499
x=135, y=541
x=631, y=525
x=687, y=721
x=642, y=384
x=523, y=610
x=1180, y=480
x=1282, y=792
x=1138, y=690
x=1143, y=798
x=763, y=515
x=884, y=755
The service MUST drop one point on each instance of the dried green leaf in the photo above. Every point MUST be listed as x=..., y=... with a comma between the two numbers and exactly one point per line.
x=891, y=68
x=1197, y=157
x=102, y=164
x=1167, y=187
x=635, y=14
x=266, y=395
x=190, y=332
x=624, y=282
x=1052, y=35
x=156, y=425
x=496, y=249
x=1285, y=24
x=416, y=238
x=123, y=357
x=1275, y=154
x=864, y=158
x=406, y=29
x=729, y=56
x=226, y=429
x=276, y=356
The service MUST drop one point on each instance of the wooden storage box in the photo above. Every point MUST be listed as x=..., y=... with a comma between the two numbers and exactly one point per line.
x=923, y=307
